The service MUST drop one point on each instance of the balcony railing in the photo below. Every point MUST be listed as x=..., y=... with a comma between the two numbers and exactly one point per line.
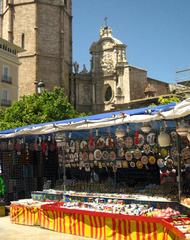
x=5, y=102
x=6, y=79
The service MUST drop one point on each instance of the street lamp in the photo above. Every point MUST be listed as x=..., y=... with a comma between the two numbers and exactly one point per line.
x=40, y=87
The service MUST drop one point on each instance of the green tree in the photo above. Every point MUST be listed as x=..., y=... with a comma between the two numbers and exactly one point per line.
x=166, y=100
x=33, y=109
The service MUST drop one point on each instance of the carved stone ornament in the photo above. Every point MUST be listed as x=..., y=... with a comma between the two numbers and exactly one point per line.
x=107, y=63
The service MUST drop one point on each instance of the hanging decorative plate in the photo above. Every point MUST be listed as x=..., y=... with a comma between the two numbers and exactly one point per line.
x=120, y=142
x=164, y=152
x=139, y=164
x=128, y=156
x=105, y=155
x=121, y=153
x=112, y=156
x=132, y=164
x=76, y=157
x=174, y=152
x=129, y=142
x=72, y=146
x=169, y=163
x=147, y=148
x=80, y=156
x=125, y=164
x=83, y=145
x=77, y=146
x=118, y=164
x=140, y=140
x=100, y=143
x=155, y=148
x=144, y=160
x=91, y=143
x=67, y=147
x=71, y=156
x=97, y=154
x=151, y=138
x=173, y=136
x=137, y=153
x=185, y=153
x=85, y=156
x=110, y=142
x=160, y=163
x=91, y=156
x=152, y=160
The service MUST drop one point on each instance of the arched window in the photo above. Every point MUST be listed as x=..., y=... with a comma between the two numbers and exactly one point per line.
x=108, y=93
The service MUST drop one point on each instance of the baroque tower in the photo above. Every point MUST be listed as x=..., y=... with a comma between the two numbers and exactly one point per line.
x=44, y=29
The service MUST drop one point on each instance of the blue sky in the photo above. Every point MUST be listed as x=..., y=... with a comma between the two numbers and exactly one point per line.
x=157, y=32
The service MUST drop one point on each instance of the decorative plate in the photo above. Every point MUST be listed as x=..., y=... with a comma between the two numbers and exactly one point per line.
x=121, y=153
x=174, y=152
x=185, y=153
x=120, y=142
x=132, y=164
x=152, y=160
x=110, y=142
x=173, y=136
x=100, y=143
x=125, y=164
x=155, y=148
x=151, y=137
x=160, y=163
x=139, y=164
x=137, y=153
x=128, y=156
x=97, y=154
x=147, y=148
x=76, y=157
x=141, y=140
x=91, y=156
x=105, y=155
x=144, y=160
x=112, y=156
x=91, y=143
x=77, y=146
x=129, y=142
x=169, y=163
x=118, y=164
x=164, y=152
x=80, y=156
x=83, y=145
x=72, y=146
x=71, y=156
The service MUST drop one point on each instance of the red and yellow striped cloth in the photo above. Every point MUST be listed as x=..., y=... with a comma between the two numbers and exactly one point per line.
x=24, y=215
x=106, y=226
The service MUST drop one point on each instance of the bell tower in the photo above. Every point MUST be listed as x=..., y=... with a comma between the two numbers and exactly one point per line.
x=44, y=29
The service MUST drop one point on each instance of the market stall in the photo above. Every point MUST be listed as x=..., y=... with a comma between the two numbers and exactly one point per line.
x=143, y=151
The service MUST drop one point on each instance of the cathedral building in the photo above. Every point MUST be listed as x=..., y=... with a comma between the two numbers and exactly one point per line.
x=43, y=28
x=112, y=82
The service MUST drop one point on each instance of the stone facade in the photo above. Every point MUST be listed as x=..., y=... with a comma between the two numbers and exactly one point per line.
x=44, y=29
x=112, y=81
x=8, y=73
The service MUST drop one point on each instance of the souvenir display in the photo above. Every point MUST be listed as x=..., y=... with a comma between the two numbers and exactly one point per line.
x=120, y=143
x=164, y=152
x=146, y=148
x=105, y=155
x=141, y=140
x=132, y=164
x=83, y=145
x=100, y=143
x=91, y=143
x=151, y=137
x=85, y=156
x=125, y=164
x=72, y=146
x=139, y=164
x=137, y=153
x=129, y=142
x=160, y=163
x=144, y=160
x=152, y=160
x=97, y=154
x=91, y=156
x=112, y=156
x=121, y=153
x=185, y=153
x=110, y=142
x=128, y=156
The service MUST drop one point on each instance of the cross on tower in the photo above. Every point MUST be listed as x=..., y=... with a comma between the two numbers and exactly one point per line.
x=106, y=21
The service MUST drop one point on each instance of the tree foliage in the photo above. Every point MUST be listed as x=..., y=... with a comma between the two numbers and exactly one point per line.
x=166, y=100
x=33, y=109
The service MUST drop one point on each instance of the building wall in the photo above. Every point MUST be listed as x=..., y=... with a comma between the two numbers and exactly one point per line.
x=8, y=83
x=46, y=26
x=161, y=87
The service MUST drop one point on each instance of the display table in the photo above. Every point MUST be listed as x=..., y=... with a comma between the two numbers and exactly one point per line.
x=101, y=225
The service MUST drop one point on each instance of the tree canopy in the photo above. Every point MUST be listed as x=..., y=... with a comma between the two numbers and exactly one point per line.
x=33, y=109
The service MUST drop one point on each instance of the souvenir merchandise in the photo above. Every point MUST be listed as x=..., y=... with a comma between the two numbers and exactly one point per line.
x=83, y=145
x=144, y=160
x=139, y=164
x=121, y=153
x=164, y=152
x=72, y=146
x=85, y=156
x=151, y=137
x=105, y=155
x=91, y=143
x=129, y=142
x=128, y=156
x=141, y=140
x=91, y=156
x=110, y=142
x=146, y=148
x=152, y=160
x=112, y=156
x=137, y=153
x=160, y=163
x=132, y=164
x=97, y=154
x=100, y=143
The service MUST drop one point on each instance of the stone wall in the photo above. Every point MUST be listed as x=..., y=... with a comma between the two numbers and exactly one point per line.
x=161, y=87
